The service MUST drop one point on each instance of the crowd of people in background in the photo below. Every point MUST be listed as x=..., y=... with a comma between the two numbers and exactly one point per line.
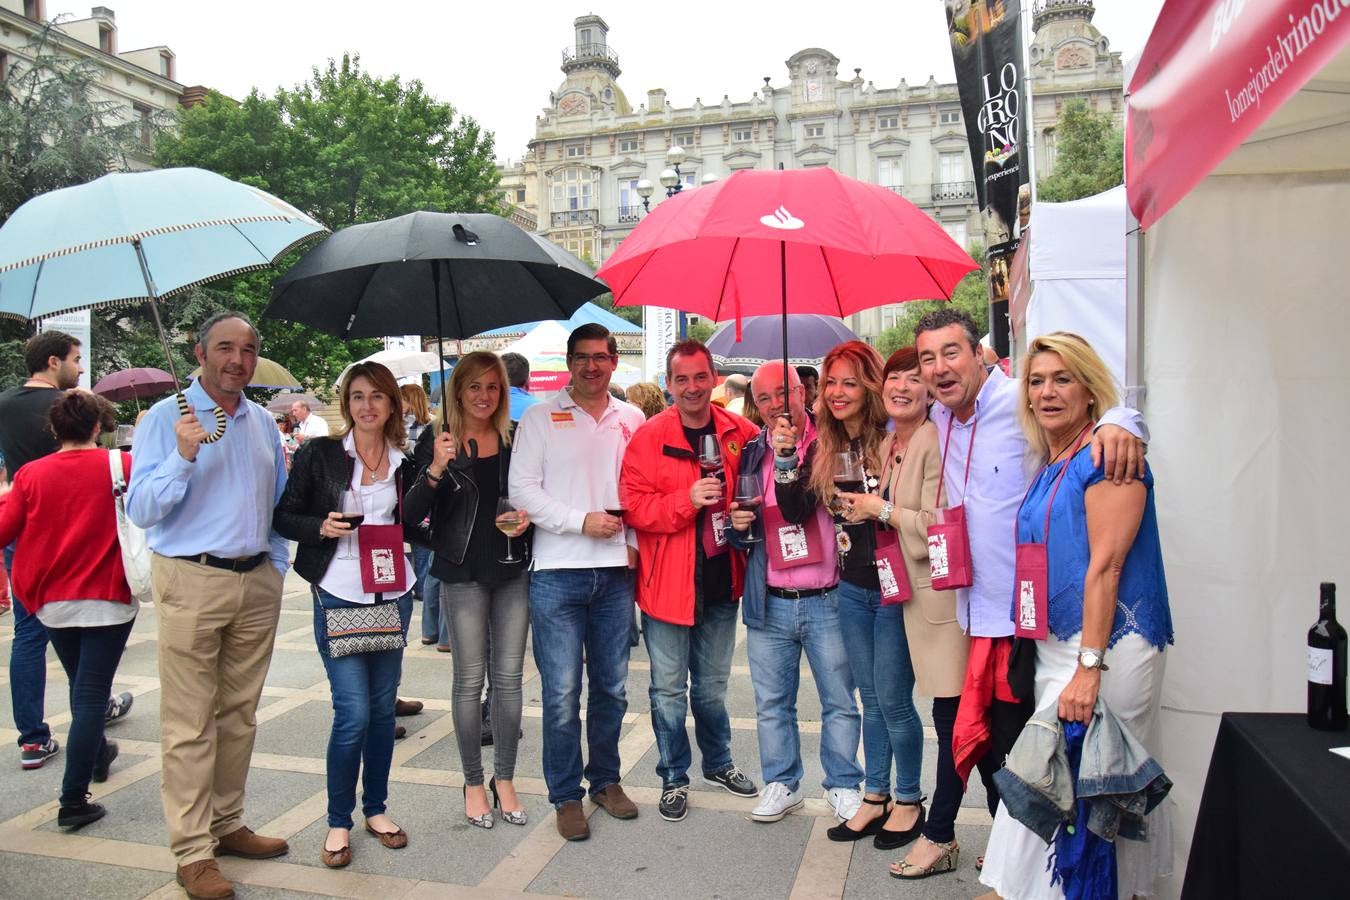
x=832, y=513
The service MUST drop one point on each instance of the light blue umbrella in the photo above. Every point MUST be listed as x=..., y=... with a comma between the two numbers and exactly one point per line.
x=140, y=236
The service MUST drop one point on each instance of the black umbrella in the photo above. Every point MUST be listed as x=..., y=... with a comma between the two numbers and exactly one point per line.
x=454, y=275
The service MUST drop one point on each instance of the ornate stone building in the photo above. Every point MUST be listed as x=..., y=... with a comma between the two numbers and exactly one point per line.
x=592, y=144
x=140, y=82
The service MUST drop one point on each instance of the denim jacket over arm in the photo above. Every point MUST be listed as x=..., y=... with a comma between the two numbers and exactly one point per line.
x=1116, y=776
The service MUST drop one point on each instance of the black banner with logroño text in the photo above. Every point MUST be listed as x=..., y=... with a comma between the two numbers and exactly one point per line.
x=986, y=38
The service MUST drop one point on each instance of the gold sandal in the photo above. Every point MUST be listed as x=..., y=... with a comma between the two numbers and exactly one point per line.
x=947, y=862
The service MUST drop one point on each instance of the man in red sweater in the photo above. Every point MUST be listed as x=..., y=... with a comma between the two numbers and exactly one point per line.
x=688, y=581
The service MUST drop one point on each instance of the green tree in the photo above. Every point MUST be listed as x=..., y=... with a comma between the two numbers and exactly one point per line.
x=1089, y=155
x=971, y=296
x=700, y=331
x=55, y=132
x=345, y=147
x=631, y=314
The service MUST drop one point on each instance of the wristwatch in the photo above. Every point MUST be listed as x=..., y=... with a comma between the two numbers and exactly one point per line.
x=884, y=517
x=1091, y=658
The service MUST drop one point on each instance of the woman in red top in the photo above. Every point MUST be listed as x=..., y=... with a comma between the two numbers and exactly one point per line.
x=68, y=572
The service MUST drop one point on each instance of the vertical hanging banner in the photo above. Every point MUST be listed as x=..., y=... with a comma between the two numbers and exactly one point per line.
x=658, y=336
x=79, y=326
x=986, y=38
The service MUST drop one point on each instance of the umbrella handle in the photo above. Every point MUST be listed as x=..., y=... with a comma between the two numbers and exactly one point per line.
x=216, y=413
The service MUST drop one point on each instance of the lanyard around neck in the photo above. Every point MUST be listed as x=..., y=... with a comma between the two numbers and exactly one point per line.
x=1045, y=539
x=970, y=452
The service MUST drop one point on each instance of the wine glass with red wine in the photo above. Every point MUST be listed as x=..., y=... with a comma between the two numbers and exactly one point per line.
x=349, y=505
x=749, y=495
x=848, y=475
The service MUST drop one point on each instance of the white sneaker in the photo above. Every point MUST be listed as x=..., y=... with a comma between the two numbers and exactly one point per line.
x=844, y=801
x=775, y=802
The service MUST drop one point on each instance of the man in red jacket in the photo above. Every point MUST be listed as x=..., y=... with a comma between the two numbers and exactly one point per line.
x=688, y=581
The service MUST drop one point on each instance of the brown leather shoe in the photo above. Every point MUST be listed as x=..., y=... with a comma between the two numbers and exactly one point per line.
x=202, y=881
x=407, y=707
x=572, y=824
x=393, y=840
x=243, y=842
x=336, y=859
x=400, y=732
x=614, y=801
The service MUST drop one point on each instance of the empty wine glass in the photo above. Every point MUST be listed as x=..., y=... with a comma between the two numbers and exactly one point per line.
x=749, y=495
x=349, y=504
x=508, y=520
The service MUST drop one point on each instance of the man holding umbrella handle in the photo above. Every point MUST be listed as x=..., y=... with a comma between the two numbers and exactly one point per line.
x=204, y=438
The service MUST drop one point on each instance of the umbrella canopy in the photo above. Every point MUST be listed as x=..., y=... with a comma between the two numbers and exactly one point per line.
x=449, y=274
x=133, y=236
x=810, y=337
x=774, y=242
x=269, y=374
x=130, y=384
x=281, y=403
x=402, y=363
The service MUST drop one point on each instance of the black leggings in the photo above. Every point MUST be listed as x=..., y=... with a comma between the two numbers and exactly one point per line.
x=1006, y=721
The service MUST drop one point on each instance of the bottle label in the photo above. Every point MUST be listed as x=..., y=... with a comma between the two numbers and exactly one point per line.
x=1319, y=666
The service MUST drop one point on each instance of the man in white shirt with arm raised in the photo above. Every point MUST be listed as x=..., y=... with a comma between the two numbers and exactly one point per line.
x=564, y=473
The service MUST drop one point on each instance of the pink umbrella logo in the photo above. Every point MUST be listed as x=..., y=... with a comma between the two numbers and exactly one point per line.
x=783, y=220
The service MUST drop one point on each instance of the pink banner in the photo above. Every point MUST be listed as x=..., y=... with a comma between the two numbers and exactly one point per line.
x=1212, y=72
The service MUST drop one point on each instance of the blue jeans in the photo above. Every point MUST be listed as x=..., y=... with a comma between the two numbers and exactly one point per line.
x=574, y=611
x=690, y=668
x=90, y=657
x=878, y=653
x=27, y=667
x=775, y=652
x=434, y=627
x=364, y=687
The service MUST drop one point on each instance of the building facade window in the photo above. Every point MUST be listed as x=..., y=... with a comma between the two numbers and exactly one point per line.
x=814, y=130
x=147, y=132
x=683, y=139
x=630, y=204
x=166, y=66
x=32, y=9
x=1049, y=150
x=741, y=135
x=573, y=188
x=891, y=172
x=951, y=167
x=949, y=117
x=888, y=122
x=520, y=195
x=575, y=151
x=956, y=231
x=105, y=39
x=628, y=144
x=891, y=315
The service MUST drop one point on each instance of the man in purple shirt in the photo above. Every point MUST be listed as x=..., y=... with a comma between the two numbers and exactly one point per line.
x=788, y=610
x=977, y=422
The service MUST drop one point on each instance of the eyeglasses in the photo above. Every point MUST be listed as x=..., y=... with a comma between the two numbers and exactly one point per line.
x=597, y=358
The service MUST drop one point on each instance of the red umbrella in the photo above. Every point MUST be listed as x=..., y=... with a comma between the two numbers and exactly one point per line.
x=129, y=383
x=774, y=242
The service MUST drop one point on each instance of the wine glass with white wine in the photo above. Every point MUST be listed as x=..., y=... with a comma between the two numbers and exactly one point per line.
x=508, y=520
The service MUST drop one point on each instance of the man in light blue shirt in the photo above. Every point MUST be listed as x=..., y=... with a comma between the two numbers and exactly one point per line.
x=217, y=574
x=518, y=374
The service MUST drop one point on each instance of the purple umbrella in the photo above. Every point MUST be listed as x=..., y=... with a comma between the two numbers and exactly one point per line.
x=131, y=384
x=809, y=338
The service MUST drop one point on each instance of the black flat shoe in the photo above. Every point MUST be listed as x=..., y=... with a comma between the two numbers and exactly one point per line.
x=842, y=832
x=73, y=817
x=890, y=840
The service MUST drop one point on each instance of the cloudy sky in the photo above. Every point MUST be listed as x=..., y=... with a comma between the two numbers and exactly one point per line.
x=497, y=61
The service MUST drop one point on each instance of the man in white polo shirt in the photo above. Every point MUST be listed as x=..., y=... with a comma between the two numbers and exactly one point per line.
x=564, y=473
x=308, y=425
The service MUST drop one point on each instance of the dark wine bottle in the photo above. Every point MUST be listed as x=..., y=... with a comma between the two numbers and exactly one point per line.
x=1326, y=667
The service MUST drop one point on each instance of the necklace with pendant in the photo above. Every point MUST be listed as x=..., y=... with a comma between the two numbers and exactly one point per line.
x=373, y=471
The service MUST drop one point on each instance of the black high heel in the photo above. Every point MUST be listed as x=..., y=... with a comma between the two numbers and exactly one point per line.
x=842, y=832
x=889, y=840
x=514, y=816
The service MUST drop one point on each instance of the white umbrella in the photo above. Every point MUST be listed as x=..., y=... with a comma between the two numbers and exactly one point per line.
x=403, y=363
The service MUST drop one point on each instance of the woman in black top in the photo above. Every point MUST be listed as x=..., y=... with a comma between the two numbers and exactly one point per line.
x=851, y=416
x=485, y=600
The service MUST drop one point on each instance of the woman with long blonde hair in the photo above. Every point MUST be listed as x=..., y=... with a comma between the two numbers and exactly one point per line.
x=465, y=467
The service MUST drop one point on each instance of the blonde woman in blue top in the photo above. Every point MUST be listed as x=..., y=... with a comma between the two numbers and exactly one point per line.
x=1108, y=616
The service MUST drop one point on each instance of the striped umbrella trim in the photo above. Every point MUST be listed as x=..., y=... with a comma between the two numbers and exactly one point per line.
x=146, y=298
x=133, y=238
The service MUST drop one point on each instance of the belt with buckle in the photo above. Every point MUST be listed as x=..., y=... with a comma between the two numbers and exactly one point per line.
x=795, y=594
x=244, y=564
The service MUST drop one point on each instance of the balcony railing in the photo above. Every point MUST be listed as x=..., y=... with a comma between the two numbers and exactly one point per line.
x=571, y=217
x=629, y=214
x=589, y=52
x=953, y=191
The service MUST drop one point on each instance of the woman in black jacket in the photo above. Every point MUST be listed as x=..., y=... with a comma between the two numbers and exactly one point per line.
x=483, y=597
x=361, y=644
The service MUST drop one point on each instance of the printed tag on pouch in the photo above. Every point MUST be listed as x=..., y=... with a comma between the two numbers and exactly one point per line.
x=790, y=545
x=714, y=535
x=949, y=550
x=1032, y=586
x=891, y=572
x=383, y=567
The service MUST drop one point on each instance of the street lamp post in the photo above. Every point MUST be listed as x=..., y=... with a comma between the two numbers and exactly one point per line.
x=670, y=180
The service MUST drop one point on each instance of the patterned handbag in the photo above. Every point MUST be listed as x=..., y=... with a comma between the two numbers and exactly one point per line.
x=364, y=629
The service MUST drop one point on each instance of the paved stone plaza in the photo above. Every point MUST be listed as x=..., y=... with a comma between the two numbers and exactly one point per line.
x=716, y=852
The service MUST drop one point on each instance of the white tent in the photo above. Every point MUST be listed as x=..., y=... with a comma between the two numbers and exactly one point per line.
x=545, y=346
x=1243, y=360
x=1074, y=255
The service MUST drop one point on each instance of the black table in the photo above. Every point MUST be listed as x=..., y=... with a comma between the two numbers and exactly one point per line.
x=1274, y=820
